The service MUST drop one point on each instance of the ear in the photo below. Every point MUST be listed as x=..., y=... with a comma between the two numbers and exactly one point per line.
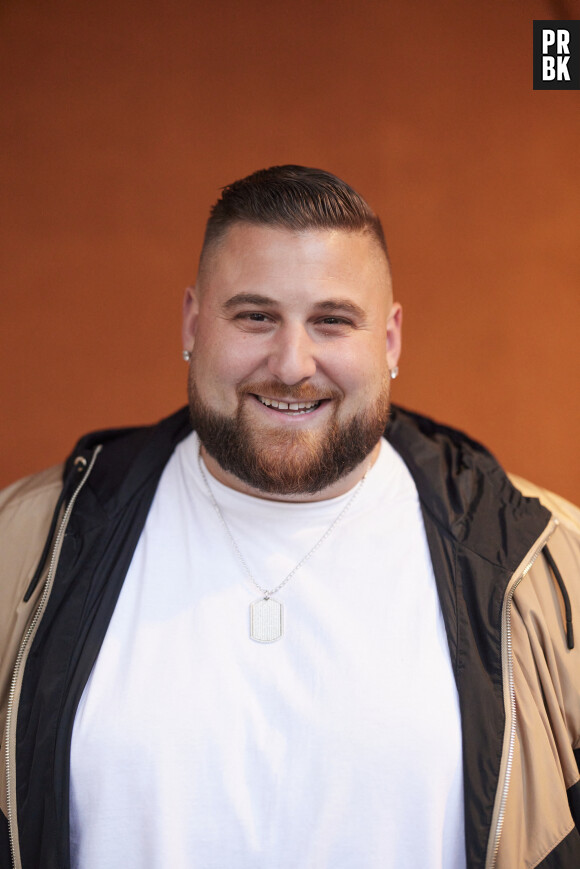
x=394, y=335
x=190, y=315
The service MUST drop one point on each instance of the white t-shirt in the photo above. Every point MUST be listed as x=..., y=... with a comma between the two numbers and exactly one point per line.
x=336, y=747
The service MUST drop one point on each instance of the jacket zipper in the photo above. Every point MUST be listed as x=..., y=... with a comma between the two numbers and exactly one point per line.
x=507, y=655
x=21, y=661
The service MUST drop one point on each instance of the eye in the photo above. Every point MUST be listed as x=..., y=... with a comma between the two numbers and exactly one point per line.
x=334, y=325
x=253, y=317
x=334, y=321
x=253, y=320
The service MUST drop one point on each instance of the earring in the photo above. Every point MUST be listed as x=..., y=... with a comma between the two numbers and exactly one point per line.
x=394, y=372
x=186, y=355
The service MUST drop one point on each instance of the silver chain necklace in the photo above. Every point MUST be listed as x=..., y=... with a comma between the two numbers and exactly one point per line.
x=267, y=614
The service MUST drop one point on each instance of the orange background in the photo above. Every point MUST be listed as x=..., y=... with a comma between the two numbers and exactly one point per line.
x=120, y=121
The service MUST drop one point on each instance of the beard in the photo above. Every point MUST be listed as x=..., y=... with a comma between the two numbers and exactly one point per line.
x=281, y=461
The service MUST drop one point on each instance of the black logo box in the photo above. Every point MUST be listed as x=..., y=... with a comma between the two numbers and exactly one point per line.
x=573, y=63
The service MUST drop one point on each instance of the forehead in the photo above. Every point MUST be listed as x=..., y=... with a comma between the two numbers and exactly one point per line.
x=256, y=257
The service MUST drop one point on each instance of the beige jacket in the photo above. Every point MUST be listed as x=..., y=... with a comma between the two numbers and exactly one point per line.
x=541, y=683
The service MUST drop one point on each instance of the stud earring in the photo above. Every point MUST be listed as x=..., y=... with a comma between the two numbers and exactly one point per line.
x=186, y=355
x=394, y=372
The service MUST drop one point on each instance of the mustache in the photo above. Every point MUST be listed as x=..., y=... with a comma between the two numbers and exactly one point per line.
x=297, y=392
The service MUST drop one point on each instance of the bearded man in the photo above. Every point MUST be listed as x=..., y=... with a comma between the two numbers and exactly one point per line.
x=291, y=625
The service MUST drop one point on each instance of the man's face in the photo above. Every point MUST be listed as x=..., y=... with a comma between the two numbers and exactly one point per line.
x=292, y=337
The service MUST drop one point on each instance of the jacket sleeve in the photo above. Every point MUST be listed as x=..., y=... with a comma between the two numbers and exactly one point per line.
x=26, y=510
x=542, y=814
x=564, y=547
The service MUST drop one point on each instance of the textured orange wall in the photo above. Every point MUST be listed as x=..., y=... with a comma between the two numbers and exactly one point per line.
x=121, y=120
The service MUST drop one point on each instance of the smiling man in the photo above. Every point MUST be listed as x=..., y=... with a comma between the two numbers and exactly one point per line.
x=293, y=334
x=291, y=625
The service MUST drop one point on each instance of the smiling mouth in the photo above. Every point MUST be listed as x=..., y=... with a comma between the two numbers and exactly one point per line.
x=290, y=407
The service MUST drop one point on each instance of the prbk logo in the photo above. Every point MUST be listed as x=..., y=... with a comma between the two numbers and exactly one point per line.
x=557, y=55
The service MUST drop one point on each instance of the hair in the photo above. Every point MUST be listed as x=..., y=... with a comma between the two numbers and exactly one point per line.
x=295, y=198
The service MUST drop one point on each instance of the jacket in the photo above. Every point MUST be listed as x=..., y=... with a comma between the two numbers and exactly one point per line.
x=507, y=569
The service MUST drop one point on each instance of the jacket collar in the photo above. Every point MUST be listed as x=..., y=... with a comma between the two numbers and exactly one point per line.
x=461, y=486
x=465, y=491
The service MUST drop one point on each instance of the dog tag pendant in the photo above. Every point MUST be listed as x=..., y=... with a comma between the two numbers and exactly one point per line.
x=266, y=620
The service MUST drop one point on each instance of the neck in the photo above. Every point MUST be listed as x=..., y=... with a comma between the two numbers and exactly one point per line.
x=340, y=487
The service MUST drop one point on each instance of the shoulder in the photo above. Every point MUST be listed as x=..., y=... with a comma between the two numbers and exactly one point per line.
x=26, y=511
x=27, y=504
x=566, y=513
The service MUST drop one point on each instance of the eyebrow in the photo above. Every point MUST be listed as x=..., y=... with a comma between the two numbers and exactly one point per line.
x=248, y=299
x=341, y=305
x=327, y=305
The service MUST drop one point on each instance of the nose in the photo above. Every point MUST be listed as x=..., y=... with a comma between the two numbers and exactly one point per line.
x=292, y=356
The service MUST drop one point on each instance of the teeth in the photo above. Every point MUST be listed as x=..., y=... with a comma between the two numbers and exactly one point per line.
x=284, y=405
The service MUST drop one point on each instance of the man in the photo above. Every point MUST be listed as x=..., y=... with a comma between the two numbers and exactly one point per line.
x=261, y=634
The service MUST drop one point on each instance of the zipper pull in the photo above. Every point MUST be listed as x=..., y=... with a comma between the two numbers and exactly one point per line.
x=566, y=597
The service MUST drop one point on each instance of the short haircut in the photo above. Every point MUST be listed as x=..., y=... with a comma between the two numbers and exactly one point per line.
x=295, y=198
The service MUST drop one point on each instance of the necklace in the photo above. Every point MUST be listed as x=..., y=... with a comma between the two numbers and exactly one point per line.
x=267, y=614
